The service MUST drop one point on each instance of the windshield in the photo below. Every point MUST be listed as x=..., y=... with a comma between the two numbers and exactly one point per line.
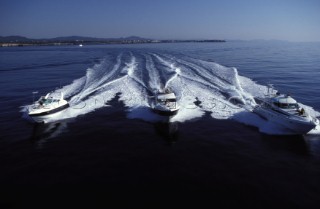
x=287, y=105
x=171, y=103
x=44, y=101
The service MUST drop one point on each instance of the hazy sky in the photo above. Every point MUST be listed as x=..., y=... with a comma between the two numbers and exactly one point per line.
x=293, y=20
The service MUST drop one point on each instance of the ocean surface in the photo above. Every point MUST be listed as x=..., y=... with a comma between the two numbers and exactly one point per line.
x=109, y=148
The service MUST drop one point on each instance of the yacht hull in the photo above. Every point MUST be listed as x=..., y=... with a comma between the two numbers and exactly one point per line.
x=40, y=117
x=295, y=126
x=166, y=112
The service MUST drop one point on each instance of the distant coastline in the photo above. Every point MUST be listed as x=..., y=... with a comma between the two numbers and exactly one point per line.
x=20, y=41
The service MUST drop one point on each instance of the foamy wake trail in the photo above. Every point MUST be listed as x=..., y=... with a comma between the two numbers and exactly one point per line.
x=200, y=86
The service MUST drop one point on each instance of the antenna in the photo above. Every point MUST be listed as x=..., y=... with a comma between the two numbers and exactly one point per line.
x=33, y=93
x=270, y=88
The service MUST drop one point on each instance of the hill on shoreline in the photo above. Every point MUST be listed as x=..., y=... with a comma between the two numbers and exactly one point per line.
x=12, y=39
x=6, y=41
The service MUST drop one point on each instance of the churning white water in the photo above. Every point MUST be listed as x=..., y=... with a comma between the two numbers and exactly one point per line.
x=201, y=86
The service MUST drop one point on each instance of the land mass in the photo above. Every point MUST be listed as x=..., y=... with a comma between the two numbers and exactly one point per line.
x=6, y=41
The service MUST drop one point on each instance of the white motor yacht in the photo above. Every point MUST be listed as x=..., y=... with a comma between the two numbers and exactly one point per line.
x=283, y=110
x=165, y=103
x=47, y=106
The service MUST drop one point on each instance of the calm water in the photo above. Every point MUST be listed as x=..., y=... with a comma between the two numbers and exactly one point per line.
x=109, y=148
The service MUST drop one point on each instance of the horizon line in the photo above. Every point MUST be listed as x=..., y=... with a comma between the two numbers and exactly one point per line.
x=157, y=39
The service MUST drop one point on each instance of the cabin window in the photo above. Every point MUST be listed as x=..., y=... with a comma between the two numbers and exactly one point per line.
x=293, y=106
x=283, y=105
x=277, y=104
x=289, y=106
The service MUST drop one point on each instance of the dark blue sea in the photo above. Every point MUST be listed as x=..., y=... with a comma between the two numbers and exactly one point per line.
x=109, y=150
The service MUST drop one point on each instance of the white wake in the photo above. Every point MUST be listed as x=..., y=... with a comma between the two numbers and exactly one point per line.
x=201, y=86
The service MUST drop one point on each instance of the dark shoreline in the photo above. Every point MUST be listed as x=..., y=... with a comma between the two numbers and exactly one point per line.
x=77, y=42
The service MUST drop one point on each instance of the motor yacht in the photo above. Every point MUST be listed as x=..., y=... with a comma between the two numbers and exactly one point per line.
x=165, y=102
x=47, y=106
x=283, y=110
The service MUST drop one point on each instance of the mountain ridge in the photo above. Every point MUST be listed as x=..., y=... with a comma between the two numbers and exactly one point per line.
x=16, y=38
